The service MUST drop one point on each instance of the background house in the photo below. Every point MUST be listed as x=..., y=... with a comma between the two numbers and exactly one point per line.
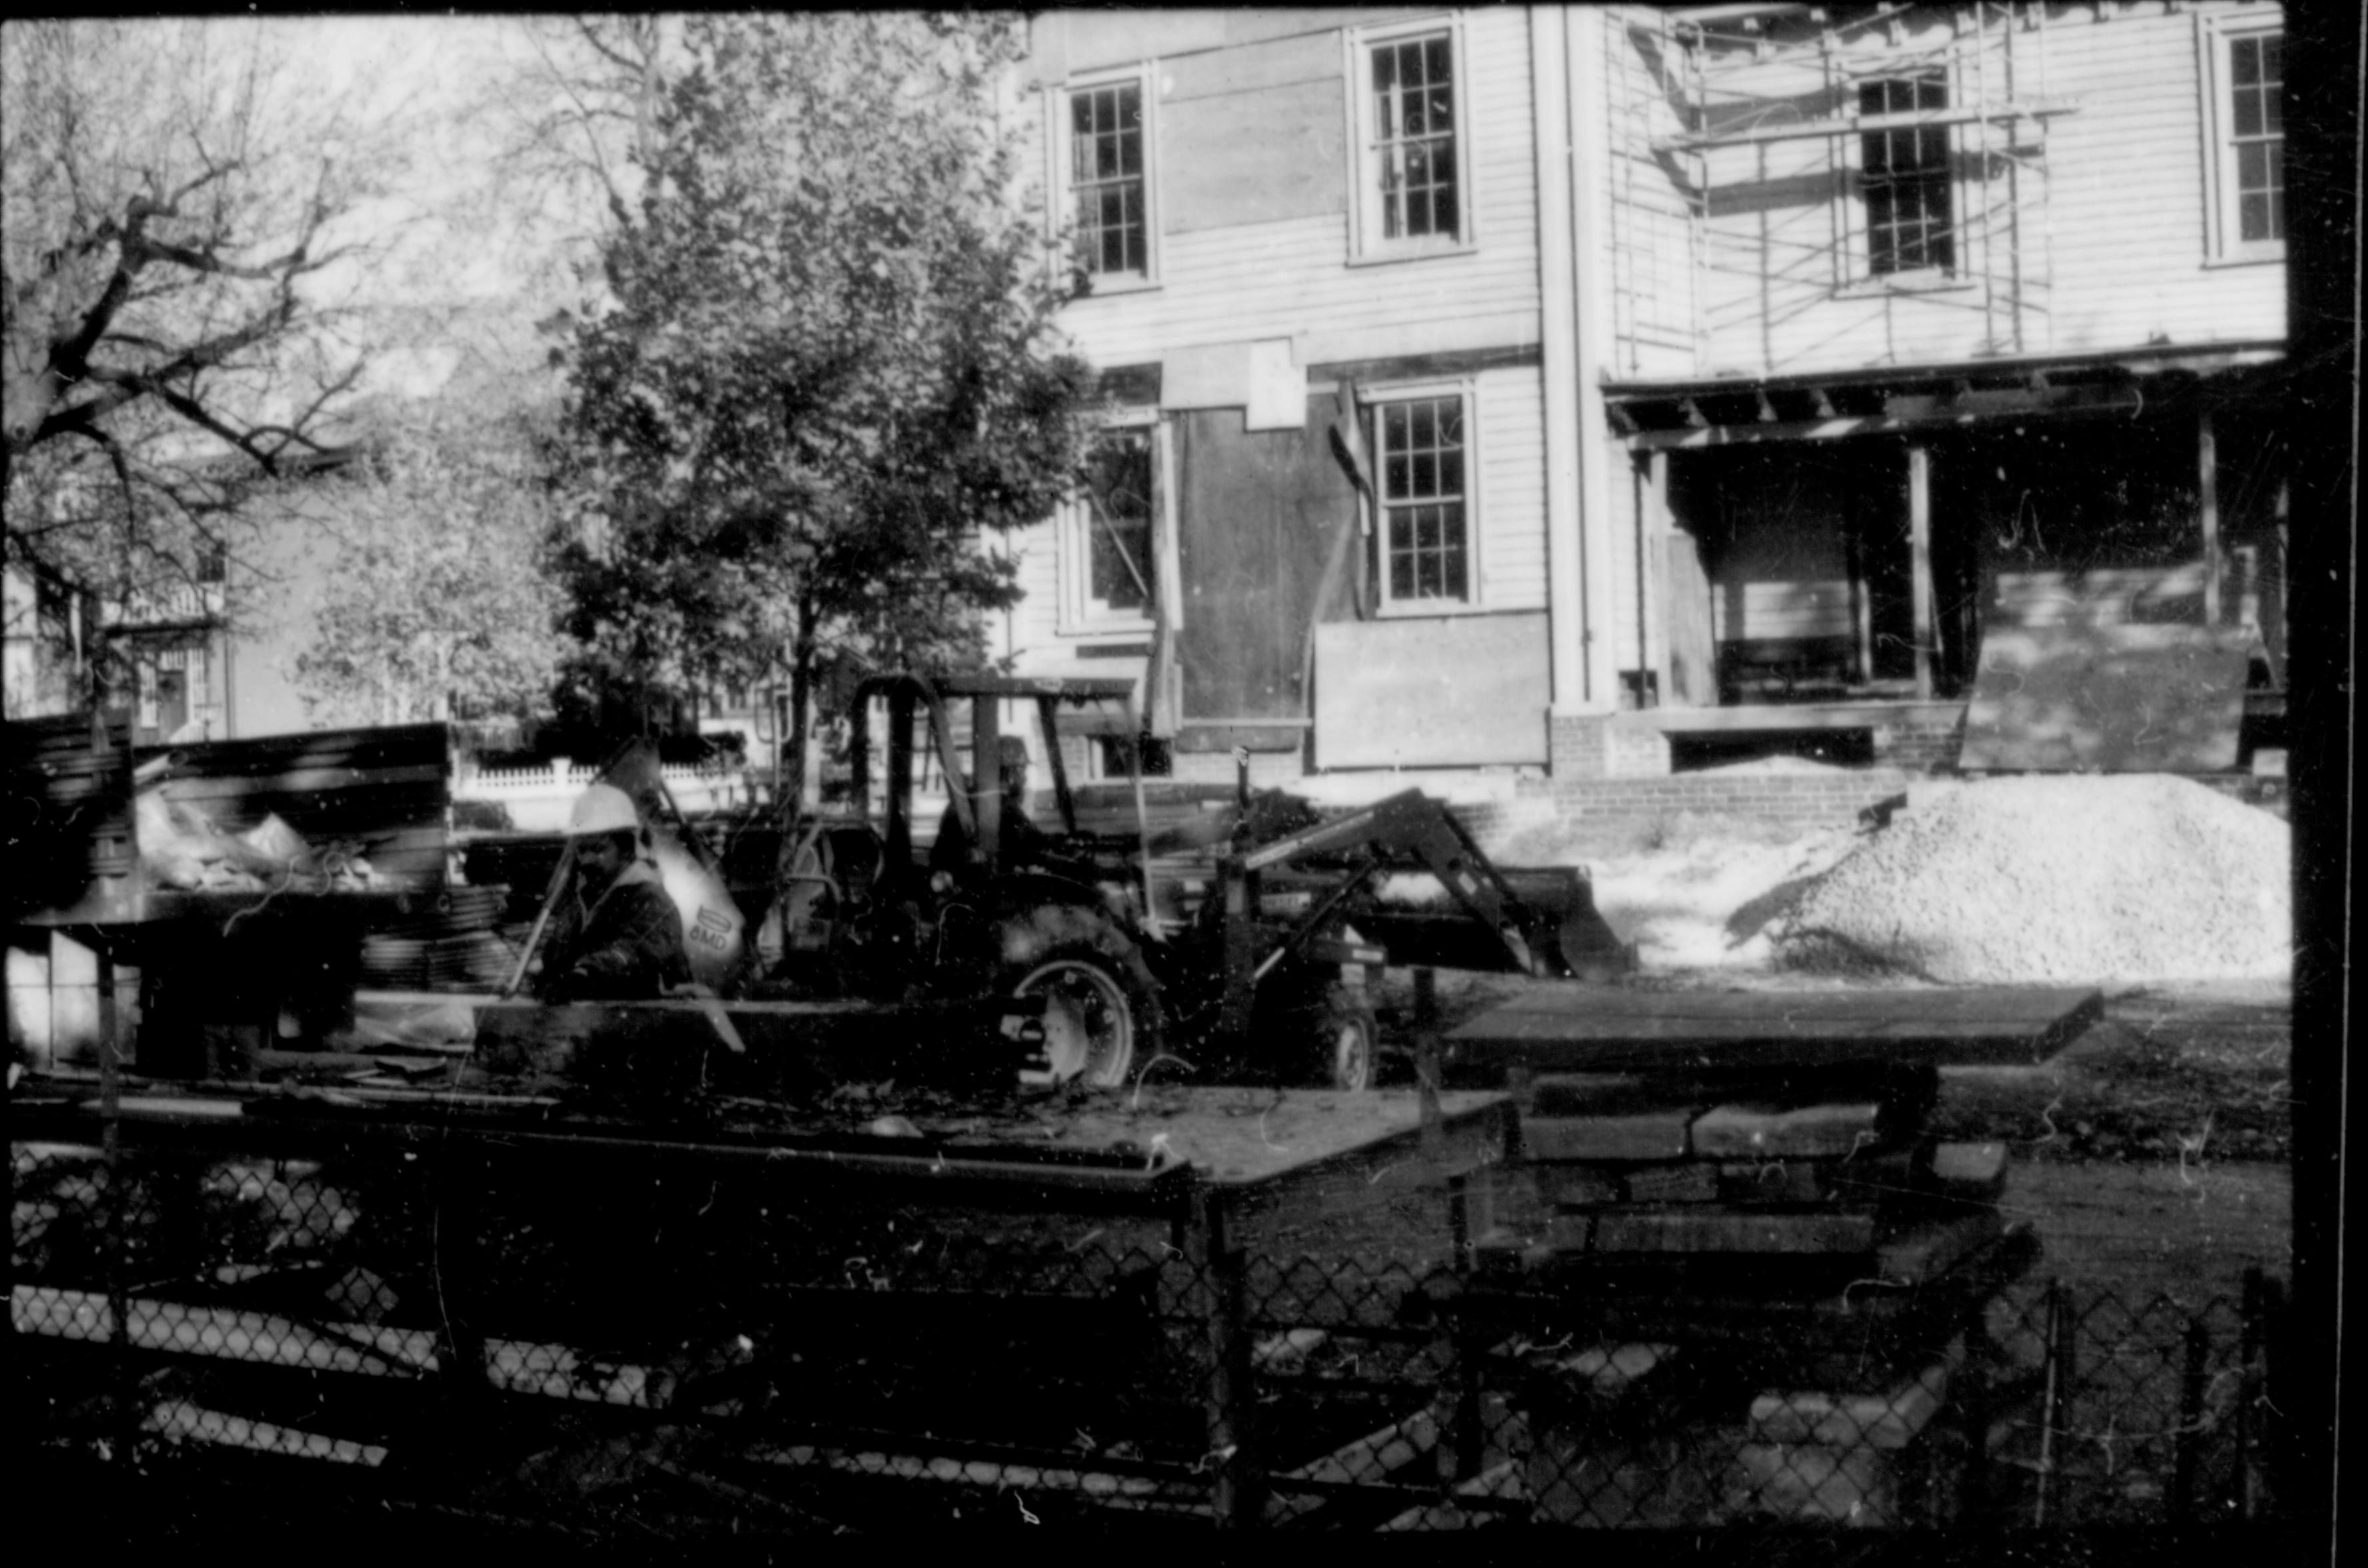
x=1722, y=375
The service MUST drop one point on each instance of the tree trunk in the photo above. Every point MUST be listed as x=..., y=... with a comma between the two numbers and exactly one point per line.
x=793, y=745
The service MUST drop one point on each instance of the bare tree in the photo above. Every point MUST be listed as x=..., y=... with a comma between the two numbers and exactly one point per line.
x=570, y=111
x=184, y=247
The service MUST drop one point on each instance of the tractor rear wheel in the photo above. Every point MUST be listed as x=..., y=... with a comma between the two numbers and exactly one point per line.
x=1102, y=1011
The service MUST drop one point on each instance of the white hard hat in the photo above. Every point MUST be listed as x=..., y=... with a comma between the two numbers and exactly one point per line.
x=603, y=808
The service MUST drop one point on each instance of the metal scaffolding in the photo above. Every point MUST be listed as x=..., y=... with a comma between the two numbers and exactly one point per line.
x=1770, y=113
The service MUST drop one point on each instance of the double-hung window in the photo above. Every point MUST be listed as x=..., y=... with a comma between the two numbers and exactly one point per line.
x=2245, y=176
x=1110, y=554
x=1423, y=483
x=1905, y=178
x=1411, y=111
x=1105, y=167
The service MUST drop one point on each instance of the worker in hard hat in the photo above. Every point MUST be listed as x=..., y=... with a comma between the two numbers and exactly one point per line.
x=616, y=933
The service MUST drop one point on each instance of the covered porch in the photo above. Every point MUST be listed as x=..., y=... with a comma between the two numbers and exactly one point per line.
x=1825, y=556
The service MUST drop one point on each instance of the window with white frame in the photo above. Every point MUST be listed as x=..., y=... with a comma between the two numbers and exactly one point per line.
x=1413, y=185
x=1110, y=554
x=1423, y=483
x=2244, y=59
x=1105, y=169
x=1905, y=178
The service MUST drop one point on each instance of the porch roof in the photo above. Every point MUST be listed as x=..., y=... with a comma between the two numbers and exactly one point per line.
x=1877, y=400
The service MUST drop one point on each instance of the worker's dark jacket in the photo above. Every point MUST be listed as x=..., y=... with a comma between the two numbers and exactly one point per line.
x=627, y=944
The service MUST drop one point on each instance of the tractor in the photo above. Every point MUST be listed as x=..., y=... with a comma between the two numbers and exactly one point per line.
x=1265, y=974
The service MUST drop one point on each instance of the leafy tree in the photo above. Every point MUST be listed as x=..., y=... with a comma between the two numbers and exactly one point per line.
x=436, y=602
x=826, y=380
x=181, y=250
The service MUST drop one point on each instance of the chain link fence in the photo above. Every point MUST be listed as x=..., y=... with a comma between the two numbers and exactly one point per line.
x=598, y=1339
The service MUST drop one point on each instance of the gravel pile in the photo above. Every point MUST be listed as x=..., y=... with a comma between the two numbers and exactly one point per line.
x=2093, y=878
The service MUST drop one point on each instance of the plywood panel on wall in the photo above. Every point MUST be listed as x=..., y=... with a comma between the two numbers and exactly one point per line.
x=1259, y=511
x=1251, y=135
x=1450, y=691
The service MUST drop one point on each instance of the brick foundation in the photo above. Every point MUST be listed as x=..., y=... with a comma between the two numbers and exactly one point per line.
x=1612, y=815
x=1927, y=747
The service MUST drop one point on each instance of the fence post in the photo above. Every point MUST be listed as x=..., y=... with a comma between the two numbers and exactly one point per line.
x=2191, y=1421
x=1236, y=1495
x=461, y=1176
x=2061, y=1367
x=1972, y=1396
x=124, y=1417
x=2245, y=1482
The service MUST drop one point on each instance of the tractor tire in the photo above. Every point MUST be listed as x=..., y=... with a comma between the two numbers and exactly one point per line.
x=1101, y=1008
x=1348, y=1040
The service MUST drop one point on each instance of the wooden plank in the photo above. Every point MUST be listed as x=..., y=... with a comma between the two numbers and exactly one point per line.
x=1999, y=1005
x=554, y=1371
x=1574, y=1185
x=1403, y=693
x=1693, y=1231
x=1581, y=1029
x=2141, y=698
x=1823, y=1131
x=1929, y=1250
x=1369, y=1459
x=1979, y=1167
x=1643, y=1136
x=1777, y=1183
x=1101, y=1488
x=180, y=1419
x=1888, y=1418
x=1693, y=1182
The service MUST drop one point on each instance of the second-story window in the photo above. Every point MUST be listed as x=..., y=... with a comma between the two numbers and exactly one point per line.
x=1413, y=123
x=1412, y=192
x=1904, y=175
x=1426, y=534
x=2245, y=176
x=1107, y=180
x=2256, y=135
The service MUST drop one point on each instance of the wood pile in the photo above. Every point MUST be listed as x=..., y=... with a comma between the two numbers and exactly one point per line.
x=1778, y=1278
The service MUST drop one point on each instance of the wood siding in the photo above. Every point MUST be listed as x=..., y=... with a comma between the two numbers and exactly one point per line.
x=1254, y=238
x=2097, y=243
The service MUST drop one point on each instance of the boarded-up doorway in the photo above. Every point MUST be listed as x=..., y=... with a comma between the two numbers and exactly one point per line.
x=1256, y=515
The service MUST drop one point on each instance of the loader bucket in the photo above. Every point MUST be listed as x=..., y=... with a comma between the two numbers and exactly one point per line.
x=1556, y=916
x=1565, y=926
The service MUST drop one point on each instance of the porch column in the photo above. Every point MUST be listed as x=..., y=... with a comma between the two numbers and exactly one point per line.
x=1919, y=548
x=1653, y=577
x=2207, y=508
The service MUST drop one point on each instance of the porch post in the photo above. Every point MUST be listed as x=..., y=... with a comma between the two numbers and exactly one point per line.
x=1920, y=544
x=2207, y=506
x=1652, y=570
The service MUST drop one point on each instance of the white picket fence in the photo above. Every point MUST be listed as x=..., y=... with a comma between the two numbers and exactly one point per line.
x=538, y=799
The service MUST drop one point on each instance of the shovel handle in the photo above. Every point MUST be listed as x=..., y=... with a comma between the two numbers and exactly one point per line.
x=543, y=918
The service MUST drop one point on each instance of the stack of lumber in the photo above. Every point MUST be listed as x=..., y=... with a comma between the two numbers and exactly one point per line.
x=1802, y=1260
x=1682, y=1174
